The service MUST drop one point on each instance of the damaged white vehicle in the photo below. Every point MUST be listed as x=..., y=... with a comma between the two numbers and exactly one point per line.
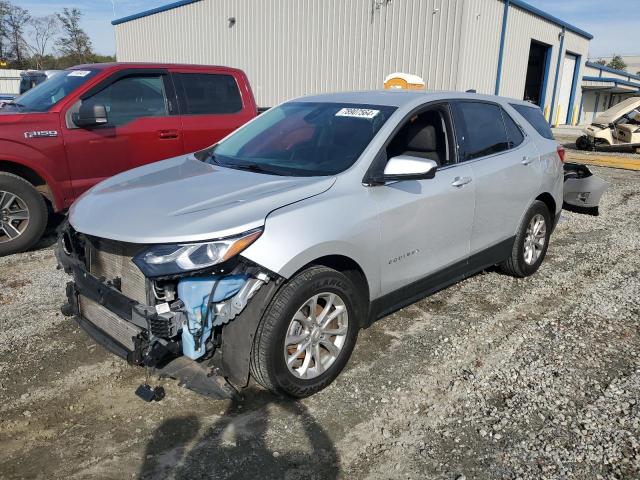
x=264, y=255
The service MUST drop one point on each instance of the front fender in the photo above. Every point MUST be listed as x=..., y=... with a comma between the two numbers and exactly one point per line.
x=52, y=169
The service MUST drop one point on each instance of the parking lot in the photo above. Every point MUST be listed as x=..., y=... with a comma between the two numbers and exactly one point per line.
x=495, y=377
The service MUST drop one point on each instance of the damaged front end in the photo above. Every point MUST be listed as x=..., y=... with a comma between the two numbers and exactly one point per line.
x=146, y=305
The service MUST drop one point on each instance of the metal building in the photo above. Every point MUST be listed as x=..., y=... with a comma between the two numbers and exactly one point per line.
x=603, y=87
x=290, y=48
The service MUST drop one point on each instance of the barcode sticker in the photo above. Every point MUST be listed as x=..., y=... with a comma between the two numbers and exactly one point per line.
x=78, y=73
x=357, y=112
x=163, y=308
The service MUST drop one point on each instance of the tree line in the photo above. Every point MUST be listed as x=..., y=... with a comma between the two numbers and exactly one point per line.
x=53, y=41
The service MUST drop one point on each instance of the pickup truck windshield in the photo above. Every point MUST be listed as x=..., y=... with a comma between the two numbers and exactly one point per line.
x=303, y=139
x=43, y=96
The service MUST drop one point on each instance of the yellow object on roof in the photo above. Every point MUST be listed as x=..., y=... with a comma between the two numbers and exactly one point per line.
x=404, y=81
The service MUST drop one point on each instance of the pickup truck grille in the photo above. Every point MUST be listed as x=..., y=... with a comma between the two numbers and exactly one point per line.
x=111, y=260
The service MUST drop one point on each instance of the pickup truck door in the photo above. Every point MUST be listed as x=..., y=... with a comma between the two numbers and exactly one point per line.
x=212, y=105
x=143, y=127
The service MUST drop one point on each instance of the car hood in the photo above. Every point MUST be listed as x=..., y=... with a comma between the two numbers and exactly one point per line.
x=186, y=200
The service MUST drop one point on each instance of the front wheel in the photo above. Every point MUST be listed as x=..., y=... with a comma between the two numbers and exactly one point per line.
x=307, y=334
x=23, y=214
x=530, y=245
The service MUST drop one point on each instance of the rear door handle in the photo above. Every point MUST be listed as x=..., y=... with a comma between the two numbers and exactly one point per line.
x=460, y=181
x=527, y=160
x=168, y=134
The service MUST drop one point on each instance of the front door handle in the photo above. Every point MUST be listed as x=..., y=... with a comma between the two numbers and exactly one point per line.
x=527, y=160
x=460, y=181
x=168, y=134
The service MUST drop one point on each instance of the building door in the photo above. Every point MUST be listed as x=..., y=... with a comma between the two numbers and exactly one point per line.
x=563, y=115
x=537, y=72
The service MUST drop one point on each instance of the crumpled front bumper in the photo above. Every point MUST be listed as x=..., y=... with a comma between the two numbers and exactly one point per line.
x=582, y=189
x=126, y=328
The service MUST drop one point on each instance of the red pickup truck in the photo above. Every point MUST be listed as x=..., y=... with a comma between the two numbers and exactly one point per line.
x=93, y=121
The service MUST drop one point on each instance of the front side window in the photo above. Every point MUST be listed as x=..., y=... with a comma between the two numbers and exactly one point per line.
x=132, y=97
x=210, y=94
x=303, y=138
x=45, y=95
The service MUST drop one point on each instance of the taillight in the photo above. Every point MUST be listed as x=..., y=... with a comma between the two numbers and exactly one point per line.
x=561, y=153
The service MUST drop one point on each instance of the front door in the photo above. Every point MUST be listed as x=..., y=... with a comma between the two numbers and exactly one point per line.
x=425, y=225
x=142, y=128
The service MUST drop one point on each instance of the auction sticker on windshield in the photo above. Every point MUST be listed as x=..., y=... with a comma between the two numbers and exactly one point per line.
x=79, y=73
x=357, y=112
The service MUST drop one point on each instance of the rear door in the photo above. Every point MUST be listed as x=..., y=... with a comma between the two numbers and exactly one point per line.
x=506, y=170
x=212, y=105
x=144, y=127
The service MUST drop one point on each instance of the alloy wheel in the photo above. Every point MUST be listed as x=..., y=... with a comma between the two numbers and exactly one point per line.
x=535, y=238
x=316, y=335
x=14, y=216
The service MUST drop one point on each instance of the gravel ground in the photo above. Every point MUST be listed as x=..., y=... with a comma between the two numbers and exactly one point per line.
x=492, y=378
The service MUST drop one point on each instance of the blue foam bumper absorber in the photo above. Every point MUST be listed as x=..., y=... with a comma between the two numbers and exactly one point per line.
x=194, y=293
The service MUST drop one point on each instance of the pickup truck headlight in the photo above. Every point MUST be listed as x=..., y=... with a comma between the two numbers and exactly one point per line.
x=160, y=260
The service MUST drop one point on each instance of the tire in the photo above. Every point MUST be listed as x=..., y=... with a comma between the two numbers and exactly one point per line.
x=582, y=143
x=17, y=196
x=519, y=264
x=268, y=356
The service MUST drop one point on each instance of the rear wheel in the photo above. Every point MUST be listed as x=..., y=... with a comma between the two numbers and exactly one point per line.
x=307, y=334
x=532, y=240
x=23, y=214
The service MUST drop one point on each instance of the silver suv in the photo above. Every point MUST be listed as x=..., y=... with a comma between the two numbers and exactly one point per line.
x=265, y=254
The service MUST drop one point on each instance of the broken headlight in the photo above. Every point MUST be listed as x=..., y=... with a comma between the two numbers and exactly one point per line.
x=160, y=260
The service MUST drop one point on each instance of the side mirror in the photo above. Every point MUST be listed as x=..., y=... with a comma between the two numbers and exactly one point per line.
x=406, y=167
x=91, y=115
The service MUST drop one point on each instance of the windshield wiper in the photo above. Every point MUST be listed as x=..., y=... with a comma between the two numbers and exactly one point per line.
x=250, y=167
x=15, y=104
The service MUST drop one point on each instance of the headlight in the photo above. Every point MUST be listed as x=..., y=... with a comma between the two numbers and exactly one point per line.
x=159, y=260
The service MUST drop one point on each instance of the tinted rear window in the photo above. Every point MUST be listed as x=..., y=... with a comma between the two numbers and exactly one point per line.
x=534, y=116
x=210, y=94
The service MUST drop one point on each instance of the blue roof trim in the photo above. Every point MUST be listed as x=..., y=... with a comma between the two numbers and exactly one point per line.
x=611, y=80
x=551, y=18
x=612, y=70
x=151, y=11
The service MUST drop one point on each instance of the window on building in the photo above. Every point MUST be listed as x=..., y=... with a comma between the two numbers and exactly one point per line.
x=206, y=94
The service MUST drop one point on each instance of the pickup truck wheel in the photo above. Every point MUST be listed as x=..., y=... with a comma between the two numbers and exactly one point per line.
x=532, y=240
x=23, y=214
x=307, y=333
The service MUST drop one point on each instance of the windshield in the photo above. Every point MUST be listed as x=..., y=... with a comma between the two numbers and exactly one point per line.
x=43, y=96
x=303, y=139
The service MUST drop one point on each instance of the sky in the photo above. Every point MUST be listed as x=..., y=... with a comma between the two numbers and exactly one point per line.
x=613, y=24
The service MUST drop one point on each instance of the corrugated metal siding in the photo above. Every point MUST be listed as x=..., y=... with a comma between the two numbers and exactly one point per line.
x=480, y=45
x=522, y=27
x=10, y=81
x=296, y=47
x=290, y=48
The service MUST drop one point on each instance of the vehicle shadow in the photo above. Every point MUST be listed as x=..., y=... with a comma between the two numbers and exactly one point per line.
x=241, y=445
